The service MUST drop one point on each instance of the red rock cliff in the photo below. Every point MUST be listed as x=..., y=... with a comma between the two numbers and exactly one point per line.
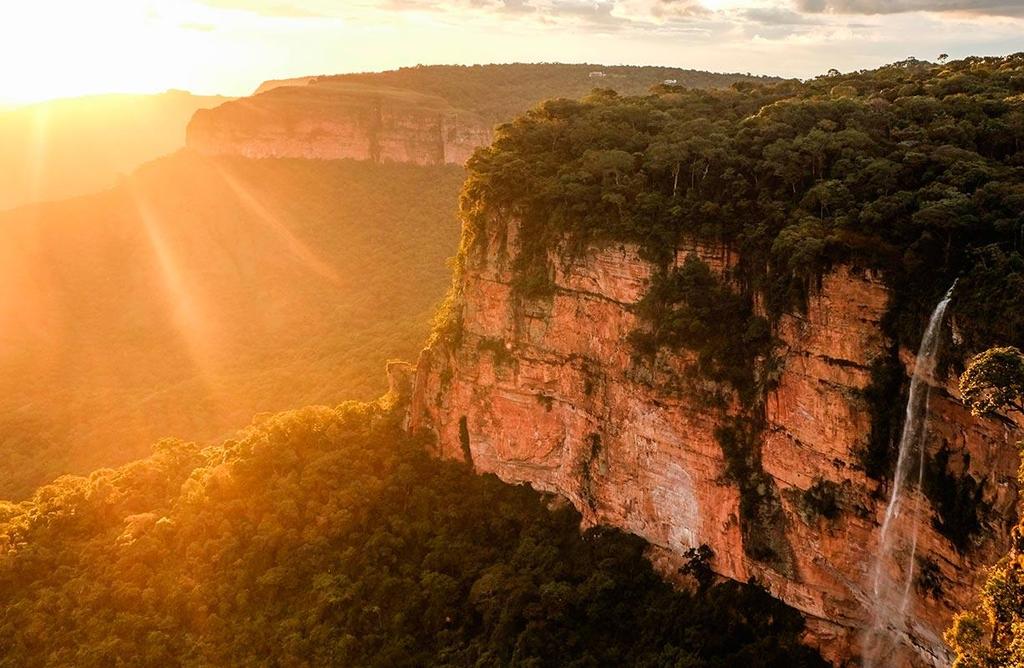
x=333, y=121
x=547, y=392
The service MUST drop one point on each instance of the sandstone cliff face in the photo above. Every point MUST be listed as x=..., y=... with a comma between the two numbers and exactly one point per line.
x=547, y=393
x=337, y=121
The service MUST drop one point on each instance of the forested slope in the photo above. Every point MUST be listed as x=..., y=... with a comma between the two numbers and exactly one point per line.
x=200, y=292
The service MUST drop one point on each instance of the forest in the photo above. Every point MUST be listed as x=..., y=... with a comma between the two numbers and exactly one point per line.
x=913, y=169
x=327, y=536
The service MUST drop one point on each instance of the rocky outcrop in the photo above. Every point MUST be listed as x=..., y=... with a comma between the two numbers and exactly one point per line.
x=548, y=392
x=331, y=121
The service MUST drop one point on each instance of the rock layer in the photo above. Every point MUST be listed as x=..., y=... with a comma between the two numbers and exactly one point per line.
x=547, y=392
x=338, y=121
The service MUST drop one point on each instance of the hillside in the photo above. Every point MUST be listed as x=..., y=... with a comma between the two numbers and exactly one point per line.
x=199, y=292
x=69, y=147
x=328, y=537
x=499, y=92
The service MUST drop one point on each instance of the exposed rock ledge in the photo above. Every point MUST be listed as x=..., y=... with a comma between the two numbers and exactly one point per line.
x=546, y=393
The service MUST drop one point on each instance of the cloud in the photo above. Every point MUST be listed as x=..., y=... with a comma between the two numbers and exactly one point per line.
x=778, y=16
x=596, y=14
x=689, y=9
x=989, y=7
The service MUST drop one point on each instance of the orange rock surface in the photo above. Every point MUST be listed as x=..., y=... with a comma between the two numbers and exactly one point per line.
x=550, y=395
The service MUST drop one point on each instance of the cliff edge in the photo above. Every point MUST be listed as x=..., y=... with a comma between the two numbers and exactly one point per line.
x=548, y=392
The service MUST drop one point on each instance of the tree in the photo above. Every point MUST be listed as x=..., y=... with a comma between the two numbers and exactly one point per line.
x=993, y=636
x=994, y=381
x=943, y=57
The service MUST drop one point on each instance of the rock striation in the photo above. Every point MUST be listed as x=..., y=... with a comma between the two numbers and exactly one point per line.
x=332, y=121
x=547, y=392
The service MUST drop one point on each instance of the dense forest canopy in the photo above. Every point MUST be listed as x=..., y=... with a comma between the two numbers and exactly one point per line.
x=329, y=537
x=915, y=169
x=200, y=292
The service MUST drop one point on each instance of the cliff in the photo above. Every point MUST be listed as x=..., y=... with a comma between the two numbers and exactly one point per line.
x=340, y=120
x=548, y=392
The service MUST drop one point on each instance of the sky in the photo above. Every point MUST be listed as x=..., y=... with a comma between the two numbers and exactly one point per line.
x=63, y=48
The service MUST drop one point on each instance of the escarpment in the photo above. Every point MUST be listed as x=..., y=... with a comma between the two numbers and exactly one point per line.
x=548, y=391
x=695, y=315
x=338, y=121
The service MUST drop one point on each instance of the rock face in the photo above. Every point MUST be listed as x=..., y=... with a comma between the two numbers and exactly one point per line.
x=547, y=392
x=332, y=121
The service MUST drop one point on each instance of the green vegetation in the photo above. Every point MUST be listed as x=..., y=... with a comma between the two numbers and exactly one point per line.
x=762, y=518
x=200, y=292
x=688, y=307
x=914, y=174
x=888, y=379
x=957, y=498
x=929, y=577
x=994, y=381
x=328, y=537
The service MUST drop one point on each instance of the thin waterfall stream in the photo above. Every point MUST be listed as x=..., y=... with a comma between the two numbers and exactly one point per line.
x=892, y=572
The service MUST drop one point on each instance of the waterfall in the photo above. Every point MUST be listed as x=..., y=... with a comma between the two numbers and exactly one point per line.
x=892, y=572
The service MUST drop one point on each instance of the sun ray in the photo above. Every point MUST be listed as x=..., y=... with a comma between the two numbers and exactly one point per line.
x=296, y=246
x=187, y=311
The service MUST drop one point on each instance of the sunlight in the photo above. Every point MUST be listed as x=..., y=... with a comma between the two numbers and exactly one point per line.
x=66, y=49
x=298, y=248
x=187, y=311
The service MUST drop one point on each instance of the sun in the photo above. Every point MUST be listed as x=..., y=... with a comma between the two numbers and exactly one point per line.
x=63, y=48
